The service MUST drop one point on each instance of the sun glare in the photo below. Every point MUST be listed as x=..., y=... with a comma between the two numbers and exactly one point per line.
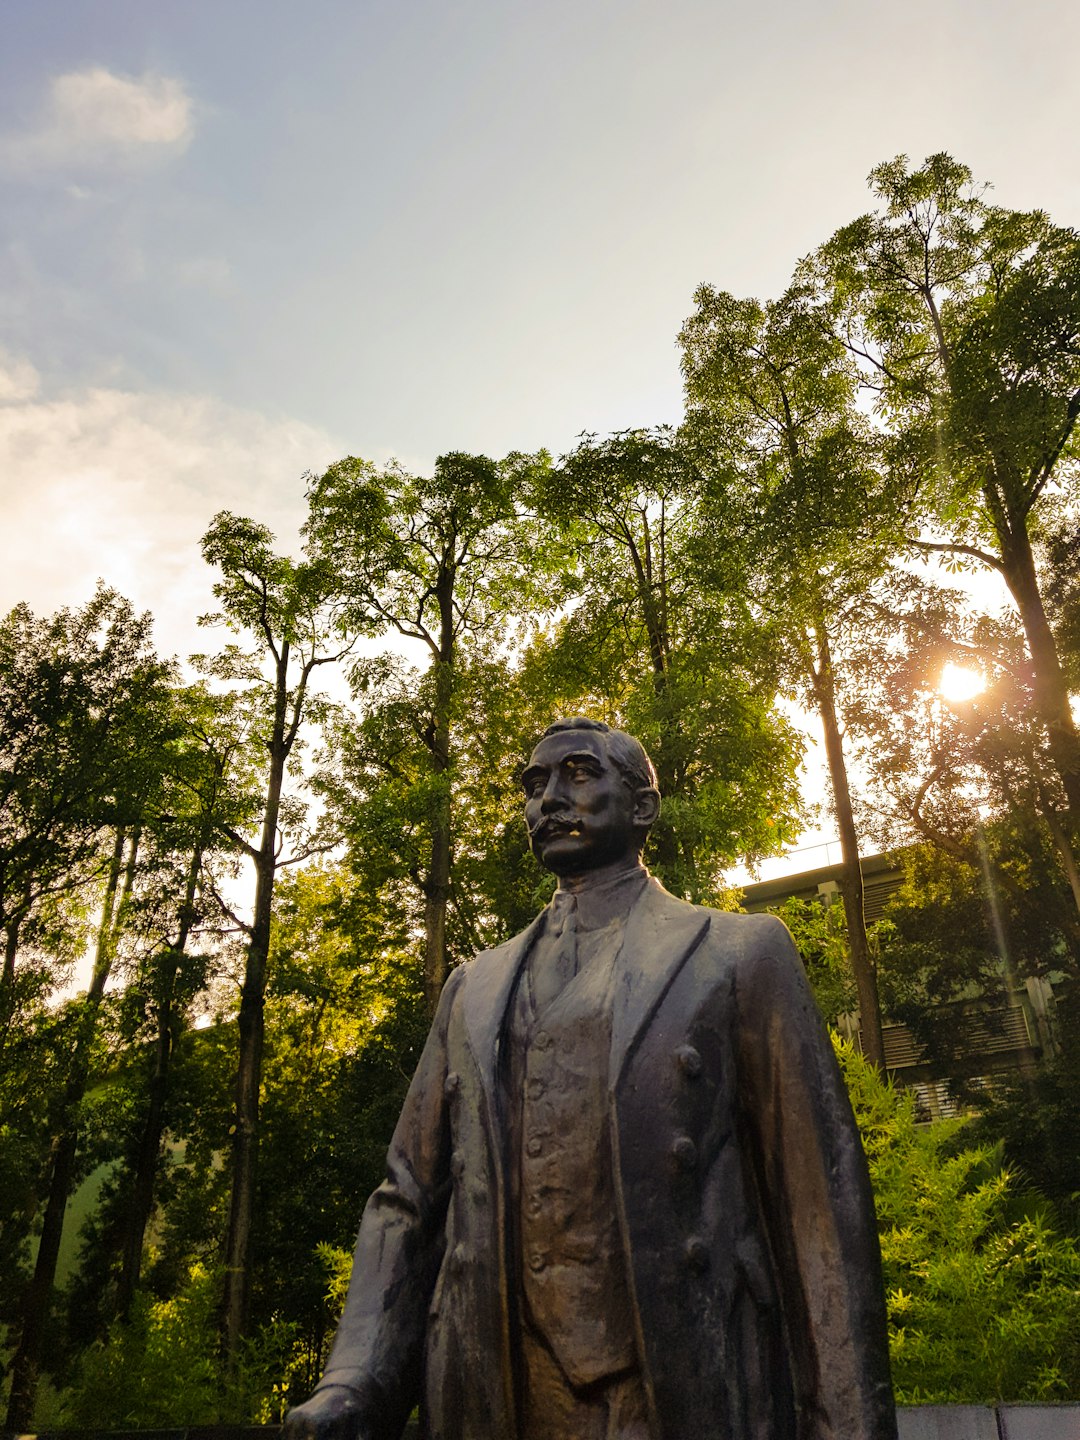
x=959, y=683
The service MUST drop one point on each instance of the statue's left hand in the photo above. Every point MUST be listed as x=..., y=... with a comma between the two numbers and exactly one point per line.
x=333, y=1413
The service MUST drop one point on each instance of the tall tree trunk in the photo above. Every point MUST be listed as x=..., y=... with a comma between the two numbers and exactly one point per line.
x=1051, y=688
x=27, y=1361
x=437, y=880
x=153, y=1129
x=674, y=863
x=16, y=917
x=851, y=884
x=7, y=981
x=1065, y=850
x=252, y=1027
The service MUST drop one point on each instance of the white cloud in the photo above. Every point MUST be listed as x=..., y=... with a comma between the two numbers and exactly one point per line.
x=121, y=485
x=19, y=380
x=93, y=117
x=210, y=272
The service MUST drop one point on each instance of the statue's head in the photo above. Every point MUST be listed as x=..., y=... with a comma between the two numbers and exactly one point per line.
x=590, y=796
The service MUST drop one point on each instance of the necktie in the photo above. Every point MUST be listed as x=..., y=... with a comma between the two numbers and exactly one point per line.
x=556, y=955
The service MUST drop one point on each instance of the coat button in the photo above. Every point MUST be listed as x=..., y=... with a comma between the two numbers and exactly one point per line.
x=534, y=1145
x=533, y=1207
x=535, y=1088
x=689, y=1061
x=536, y=1262
x=457, y=1165
x=542, y=1040
x=685, y=1152
x=452, y=1084
x=697, y=1254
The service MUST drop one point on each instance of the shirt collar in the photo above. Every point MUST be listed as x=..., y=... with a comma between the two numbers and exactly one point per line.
x=599, y=901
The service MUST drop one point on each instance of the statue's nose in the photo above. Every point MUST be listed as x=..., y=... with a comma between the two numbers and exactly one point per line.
x=553, y=797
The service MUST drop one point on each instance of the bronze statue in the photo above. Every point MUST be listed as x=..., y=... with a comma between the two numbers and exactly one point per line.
x=626, y=1197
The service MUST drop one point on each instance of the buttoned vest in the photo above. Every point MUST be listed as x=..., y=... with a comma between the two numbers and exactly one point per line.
x=572, y=1265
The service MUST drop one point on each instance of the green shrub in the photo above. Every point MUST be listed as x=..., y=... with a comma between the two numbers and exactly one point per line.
x=984, y=1299
x=163, y=1368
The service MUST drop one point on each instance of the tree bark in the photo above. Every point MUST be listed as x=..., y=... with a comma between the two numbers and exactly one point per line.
x=35, y=1311
x=437, y=880
x=1066, y=853
x=7, y=981
x=153, y=1129
x=252, y=1027
x=1051, y=688
x=851, y=883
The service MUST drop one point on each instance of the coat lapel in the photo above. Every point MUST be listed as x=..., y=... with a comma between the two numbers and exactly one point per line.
x=485, y=996
x=661, y=932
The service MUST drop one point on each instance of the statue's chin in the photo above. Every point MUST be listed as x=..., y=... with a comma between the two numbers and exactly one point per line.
x=577, y=855
x=565, y=856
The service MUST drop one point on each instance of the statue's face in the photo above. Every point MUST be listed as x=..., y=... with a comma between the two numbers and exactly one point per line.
x=579, y=810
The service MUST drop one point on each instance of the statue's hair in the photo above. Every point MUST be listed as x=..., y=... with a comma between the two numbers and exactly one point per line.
x=627, y=754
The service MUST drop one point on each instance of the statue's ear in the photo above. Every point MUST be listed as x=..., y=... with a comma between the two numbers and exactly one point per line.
x=646, y=807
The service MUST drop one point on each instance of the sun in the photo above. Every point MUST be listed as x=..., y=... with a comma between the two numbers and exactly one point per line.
x=959, y=683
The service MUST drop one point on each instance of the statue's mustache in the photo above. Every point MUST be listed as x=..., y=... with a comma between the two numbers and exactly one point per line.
x=552, y=822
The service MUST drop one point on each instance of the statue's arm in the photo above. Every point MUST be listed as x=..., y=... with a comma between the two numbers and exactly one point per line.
x=815, y=1195
x=373, y=1377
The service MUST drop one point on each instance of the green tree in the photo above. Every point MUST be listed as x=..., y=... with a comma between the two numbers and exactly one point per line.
x=61, y=1166
x=289, y=610
x=82, y=670
x=943, y=769
x=669, y=650
x=446, y=562
x=795, y=488
x=212, y=784
x=965, y=320
x=78, y=734
x=1032, y=1116
x=346, y=1024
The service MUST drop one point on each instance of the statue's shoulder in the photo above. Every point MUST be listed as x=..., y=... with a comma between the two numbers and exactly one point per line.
x=747, y=933
x=758, y=948
x=488, y=964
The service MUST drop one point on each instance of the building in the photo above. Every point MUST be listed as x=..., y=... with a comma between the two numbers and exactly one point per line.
x=997, y=1039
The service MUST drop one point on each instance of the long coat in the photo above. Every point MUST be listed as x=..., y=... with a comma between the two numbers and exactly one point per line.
x=743, y=1201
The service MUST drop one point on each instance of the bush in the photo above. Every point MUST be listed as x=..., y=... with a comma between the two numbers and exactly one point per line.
x=983, y=1299
x=163, y=1369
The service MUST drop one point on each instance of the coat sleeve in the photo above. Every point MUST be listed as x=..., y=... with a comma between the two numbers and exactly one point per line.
x=379, y=1345
x=814, y=1194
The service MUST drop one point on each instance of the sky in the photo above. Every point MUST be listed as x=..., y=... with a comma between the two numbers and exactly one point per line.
x=242, y=238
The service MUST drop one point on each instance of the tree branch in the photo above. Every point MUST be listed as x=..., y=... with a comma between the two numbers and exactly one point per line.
x=984, y=557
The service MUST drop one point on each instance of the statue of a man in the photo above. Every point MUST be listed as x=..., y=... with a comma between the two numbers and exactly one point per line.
x=626, y=1197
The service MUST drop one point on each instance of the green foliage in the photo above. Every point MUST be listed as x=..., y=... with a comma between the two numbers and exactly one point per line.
x=672, y=584
x=821, y=936
x=640, y=650
x=963, y=318
x=792, y=470
x=85, y=724
x=162, y=1369
x=983, y=1296
x=940, y=767
x=345, y=1026
x=1034, y=1118
x=418, y=554
x=965, y=315
x=946, y=941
